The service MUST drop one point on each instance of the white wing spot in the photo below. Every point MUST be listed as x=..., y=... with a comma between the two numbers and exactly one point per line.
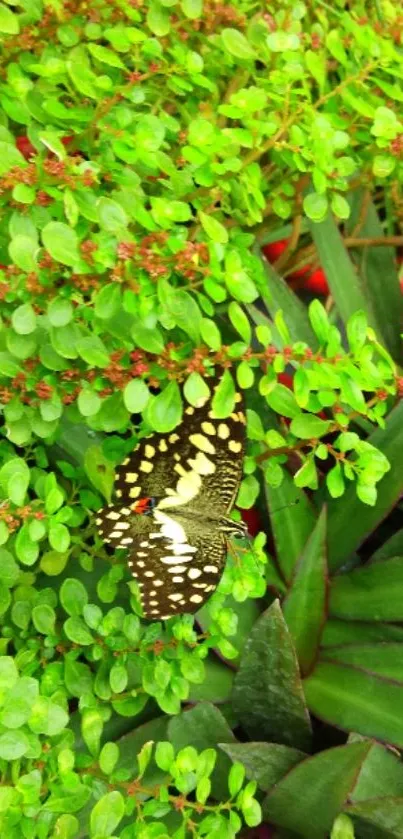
x=125, y=511
x=203, y=443
x=98, y=521
x=115, y=535
x=201, y=464
x=113, y=516
x=194, y=573
x=119, y=493
x=196, y=598
x=163, y=446
x=144, y=545
x=127, y=540
x=171, y=560
x=158, y=582
x=177, y=569
x=210, y=588
x=177, y=579
x=153, y=602
x=146, y=466
x=170, y=528
x=141, y=553
x=126, y=461
x=148, y=573
x=189, y=410
x=180, y=470
x=238, y=397
x=223, y=431
x=140, y=563
x=183, y=548
x=175, y=596
x=235, y=446
x=149, y=450
x=208, y=428
x=122, y=525
x=131, y=477
x=134, y=492
x=173, y=438
x=210, y=569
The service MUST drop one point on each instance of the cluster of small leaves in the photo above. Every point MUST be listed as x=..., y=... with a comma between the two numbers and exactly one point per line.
x=166, y=784
x=130, y=202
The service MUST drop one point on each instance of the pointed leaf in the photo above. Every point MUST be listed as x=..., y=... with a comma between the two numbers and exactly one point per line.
x=304, y=606
x=356, y=701
x=265, y=763
x=292, y=520
x=310, y=797
x=373, y=592
x=267, y=695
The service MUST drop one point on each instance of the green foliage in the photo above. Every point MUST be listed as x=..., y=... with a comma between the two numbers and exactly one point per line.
x=147, y=153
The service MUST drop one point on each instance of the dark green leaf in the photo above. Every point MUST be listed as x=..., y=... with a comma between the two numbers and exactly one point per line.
x=164, y=412
x=370, y=593
x=304, y=606
x=268, y=696
x=310, y=797
x=265, y=763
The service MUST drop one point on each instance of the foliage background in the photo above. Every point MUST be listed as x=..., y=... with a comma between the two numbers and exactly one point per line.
x=147, y=153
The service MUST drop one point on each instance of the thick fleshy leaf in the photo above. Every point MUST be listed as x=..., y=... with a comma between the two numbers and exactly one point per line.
x=339, y=633
x=204, y=727
x=380, y=774
x=384, y=815
x=265, y=763
x=304, y=606
x=268, y=697
x=280, y=297
x=382, y=659
x=216, y=685
x=310, y=797
x=356, y=701
x=292, y=520
x=372, y=593
x=344, y=539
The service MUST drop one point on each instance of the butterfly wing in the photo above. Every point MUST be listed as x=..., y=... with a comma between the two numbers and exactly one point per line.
x=203, y=447
x=176, y=568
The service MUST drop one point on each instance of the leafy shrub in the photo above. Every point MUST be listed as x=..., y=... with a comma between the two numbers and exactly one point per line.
x=147, y=152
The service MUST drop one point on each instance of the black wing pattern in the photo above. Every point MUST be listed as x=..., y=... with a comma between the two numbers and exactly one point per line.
x=178, y=550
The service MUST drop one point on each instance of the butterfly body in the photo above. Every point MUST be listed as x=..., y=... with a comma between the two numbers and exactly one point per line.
x=175, y=493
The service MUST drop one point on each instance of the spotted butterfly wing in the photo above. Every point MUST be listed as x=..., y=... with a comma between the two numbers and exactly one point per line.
x=183, y=485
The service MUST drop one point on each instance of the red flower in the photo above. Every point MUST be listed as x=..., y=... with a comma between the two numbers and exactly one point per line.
x=25, y=146
x=314, y=281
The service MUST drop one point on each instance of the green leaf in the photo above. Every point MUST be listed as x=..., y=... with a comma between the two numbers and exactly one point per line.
x=61, y=242
x=147, y=339
x=107, y=814
x=108, y=301
x=23, y=319
x=111, y=215
x=282, y=400
x=23, y=251
x=236, y=778
x=136, y=396
x=100, y=471
x=308, y=426
x=13, y=745
x=304, y=606
x=369, y=593
x=10, y=156
x=213, y=228
x=164, y=412
x=44, y=619
x=73, y=596
x=379, y=659
x=268, y=698
x=310, y=797
x=184, y=310
x=236, y=44
x=203, y=727
x=355, y=700
x=8, y=672
x=9, y=22
x=60, y=311
x=344, y=539
x=240, y=321
x=59, y=536
x=77, y=631
x=192, y=9
x=105, y=56
x=292, y=520
x=26, y=550
x=158, y=19
x=93, y=351
x=265, y=763
x=223, y=402
x=14, y=479
x=315, y=206
x=88, y=402
x=210, y=334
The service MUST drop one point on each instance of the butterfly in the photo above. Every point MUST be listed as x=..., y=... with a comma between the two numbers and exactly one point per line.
x=174, y=495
